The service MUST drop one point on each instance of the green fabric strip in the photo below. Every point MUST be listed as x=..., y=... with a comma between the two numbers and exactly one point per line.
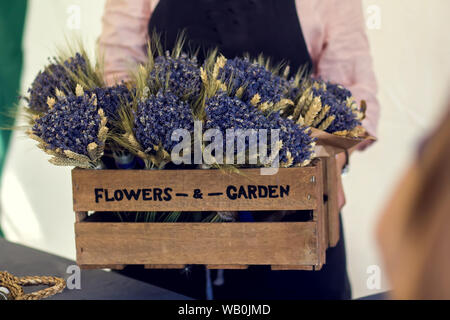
x=12, y=20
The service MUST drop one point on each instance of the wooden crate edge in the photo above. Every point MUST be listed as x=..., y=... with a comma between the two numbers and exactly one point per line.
x=275, y=243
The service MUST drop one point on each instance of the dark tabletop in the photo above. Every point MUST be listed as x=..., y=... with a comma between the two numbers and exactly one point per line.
x=95, y=284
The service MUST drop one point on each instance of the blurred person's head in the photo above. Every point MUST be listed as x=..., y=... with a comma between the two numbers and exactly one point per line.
x=414, y=232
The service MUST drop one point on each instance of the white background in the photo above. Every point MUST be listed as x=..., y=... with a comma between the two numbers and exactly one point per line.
x=411, y=50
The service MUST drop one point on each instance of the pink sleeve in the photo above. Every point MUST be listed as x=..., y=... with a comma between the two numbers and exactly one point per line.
x=345, y=57
x=124, y=37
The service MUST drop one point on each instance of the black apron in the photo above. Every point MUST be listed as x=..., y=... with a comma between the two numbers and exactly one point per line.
x=270, y=27
x=236, y=27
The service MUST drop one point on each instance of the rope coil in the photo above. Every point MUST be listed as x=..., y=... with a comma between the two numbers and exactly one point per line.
x=14, y=285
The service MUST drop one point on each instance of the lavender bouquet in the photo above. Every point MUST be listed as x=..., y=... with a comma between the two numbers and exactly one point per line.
x=61, y=76
x=55, y=80
x=62, y=114
x=166, y=88
x=252, y=97
x=326, y=106
x=73, y=131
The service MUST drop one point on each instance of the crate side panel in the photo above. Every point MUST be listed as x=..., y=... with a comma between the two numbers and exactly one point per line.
x=292, y=243
x=193, y=190
x=330, y=188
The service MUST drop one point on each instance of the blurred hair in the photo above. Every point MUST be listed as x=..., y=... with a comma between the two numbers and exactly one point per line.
x=414, y=232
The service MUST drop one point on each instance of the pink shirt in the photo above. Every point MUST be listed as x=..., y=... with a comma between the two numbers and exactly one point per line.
x=334, y=31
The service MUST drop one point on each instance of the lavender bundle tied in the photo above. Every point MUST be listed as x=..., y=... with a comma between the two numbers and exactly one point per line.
x=73, y=131
x=328, y=107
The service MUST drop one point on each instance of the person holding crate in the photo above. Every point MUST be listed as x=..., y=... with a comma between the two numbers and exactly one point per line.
x=327, y=36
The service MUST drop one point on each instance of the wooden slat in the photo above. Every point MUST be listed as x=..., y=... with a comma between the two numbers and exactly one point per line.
x=80, y=216
x=227, y=266
x=318, y=267
x=102, y=266
x=164, y=266
x=325, y=203
x=323, y=228
x=298, y=267
x=327, y=225
x=319, y=217
x=213, y=185
x=332, y=203
x=290, y=243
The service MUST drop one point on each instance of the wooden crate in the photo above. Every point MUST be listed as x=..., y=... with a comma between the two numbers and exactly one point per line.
x=283, y=245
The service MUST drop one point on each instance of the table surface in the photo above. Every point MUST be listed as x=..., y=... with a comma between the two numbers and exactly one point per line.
x=95, y=284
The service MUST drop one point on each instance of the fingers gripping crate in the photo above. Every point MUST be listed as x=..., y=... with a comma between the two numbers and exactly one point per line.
x=228, y=245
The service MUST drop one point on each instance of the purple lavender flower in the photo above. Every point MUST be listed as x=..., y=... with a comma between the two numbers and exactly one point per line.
x=292, y=91
x=55, y=76
x=296, y=141
x=110, y=99
x=341, y=93
x=71, y=124
x=255, y=78
x=295, y=88
x=224, y=112
x=157, y=117
x=345, y=118
x=182, y=74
